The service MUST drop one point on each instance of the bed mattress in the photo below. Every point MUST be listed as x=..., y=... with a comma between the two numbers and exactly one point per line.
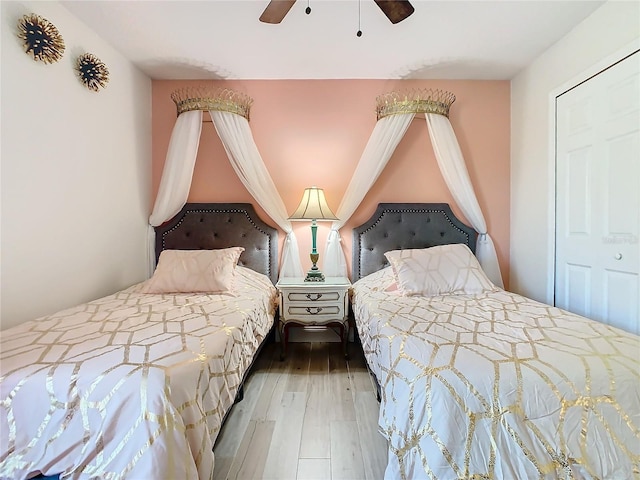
x=129, y=386
x=498, y=386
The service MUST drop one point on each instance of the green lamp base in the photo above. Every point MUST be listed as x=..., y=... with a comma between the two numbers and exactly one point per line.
x=314, y=276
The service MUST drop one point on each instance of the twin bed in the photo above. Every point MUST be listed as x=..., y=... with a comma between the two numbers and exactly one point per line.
x=479, y=383
x=137, y=384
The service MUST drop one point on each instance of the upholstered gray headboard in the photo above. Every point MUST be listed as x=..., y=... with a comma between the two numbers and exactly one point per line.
x=396, y=226
x=220, y=225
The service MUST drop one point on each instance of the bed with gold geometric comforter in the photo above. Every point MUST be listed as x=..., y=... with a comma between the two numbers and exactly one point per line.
x=129, y=386
x=498, y=386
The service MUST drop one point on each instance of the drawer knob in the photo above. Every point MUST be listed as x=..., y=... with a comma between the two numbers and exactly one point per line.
x=317, y=310
x=318, y=296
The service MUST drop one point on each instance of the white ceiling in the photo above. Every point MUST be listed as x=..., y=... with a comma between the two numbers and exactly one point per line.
x=223, y=39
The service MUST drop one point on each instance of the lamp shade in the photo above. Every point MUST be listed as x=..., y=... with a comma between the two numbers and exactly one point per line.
x=313, y=206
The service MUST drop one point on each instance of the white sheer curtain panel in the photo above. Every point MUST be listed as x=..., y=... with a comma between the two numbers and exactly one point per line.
x=176, y=174
x=236, y=136
x=383, y=141
x=454, y=170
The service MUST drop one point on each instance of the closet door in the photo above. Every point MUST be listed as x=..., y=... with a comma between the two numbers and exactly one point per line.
x=598, y=196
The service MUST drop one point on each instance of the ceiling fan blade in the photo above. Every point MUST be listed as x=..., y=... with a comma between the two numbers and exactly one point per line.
x=395, y=10
x=276, y=11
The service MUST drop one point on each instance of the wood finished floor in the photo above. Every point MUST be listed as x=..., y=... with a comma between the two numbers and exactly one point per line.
x=312, y=416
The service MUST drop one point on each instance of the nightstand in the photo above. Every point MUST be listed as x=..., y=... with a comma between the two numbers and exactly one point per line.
x=314, y=303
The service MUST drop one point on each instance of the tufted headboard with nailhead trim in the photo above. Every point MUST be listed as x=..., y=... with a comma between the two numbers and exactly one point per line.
x=221, y=225
x=396, y=226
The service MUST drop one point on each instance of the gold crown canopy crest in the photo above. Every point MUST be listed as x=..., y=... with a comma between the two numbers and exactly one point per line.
x=414, y=101
x=207, y=98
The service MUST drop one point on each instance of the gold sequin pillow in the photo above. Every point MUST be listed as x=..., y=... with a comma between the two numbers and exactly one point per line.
x=201, y=271
x=440, y=270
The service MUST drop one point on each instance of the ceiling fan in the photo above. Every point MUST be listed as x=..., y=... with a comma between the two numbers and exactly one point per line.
x=395, y=10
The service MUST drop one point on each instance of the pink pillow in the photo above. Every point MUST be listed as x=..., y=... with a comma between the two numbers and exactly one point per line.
x=186, y=271
x=440, y=270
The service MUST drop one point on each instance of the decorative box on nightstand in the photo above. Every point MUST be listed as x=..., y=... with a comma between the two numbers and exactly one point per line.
x=314, y=303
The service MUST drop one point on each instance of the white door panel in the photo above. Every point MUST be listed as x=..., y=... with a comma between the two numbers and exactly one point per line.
x=577, y=289
x=578, y=188
x=597, y=197
x=620, y=292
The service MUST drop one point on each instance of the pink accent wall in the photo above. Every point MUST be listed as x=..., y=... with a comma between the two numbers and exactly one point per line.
x=312, y=132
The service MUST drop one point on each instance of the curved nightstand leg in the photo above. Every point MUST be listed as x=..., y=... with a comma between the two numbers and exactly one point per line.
x=345, y=339
x=283, y=345
x=284, y=337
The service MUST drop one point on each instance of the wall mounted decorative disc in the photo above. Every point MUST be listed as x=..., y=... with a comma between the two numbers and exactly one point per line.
x=41, y=38
x=92, y=72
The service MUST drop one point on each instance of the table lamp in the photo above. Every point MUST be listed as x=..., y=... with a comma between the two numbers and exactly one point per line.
x=313, y=206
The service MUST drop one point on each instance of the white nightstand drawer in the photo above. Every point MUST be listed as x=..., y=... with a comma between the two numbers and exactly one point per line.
x=335, y=311
x=313, y=296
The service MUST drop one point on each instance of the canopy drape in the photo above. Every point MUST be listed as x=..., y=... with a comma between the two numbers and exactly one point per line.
x=229, y=112
x=384, y=139
x=176, y=175
x=455, y=174
x=178, y=168
x=386, y=135
x=238, y=142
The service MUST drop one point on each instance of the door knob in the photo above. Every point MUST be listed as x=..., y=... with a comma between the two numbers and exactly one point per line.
x=618, y=256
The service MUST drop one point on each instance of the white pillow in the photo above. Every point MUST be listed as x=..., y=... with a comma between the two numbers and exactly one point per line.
x=186, y=271
x=439, y=270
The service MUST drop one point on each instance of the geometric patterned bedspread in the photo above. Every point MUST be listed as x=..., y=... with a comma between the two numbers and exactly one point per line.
x=498, y=386
x=130, y=386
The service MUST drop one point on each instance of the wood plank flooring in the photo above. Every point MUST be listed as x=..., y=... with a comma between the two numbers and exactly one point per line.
x=312, y=416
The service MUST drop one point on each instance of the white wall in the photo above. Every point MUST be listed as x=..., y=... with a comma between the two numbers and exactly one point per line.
x=76, y=172
x=613, y=27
